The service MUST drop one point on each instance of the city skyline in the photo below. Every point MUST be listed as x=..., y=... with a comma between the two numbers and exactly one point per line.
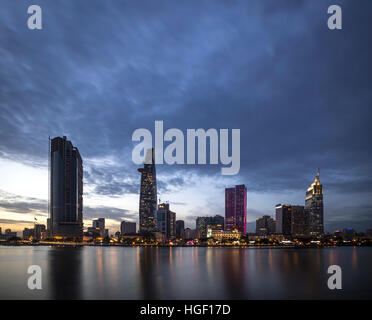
x=66, y=179
x=148, y=179
x=253, y=66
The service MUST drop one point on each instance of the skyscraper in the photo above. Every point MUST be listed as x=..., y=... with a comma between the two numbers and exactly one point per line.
x=148, y=195
x=236, y=208
x=314, y=207
x=283, y=216
x=99, y=224
x=38, y=231
x=66, y=189
x=203, y=223
x=299, y=221
x=127, y=227
x=166, y=221
x=292, y=220
x=202, y=226
x=265, y=226
x=180, y=228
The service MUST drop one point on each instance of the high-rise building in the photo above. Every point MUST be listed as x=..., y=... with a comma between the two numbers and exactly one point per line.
x=202, y=226
x=283, y=214
x=203, y=223
x=314, y=207
x=265, y=226
x=368, y=233
x=191, y=234
x=28, y=233
x=218, y=221
x=127, y=227
x=66, y=189
x=166, y=221
x=39, y=229
x=9, y=234
x=299, y=221
x=292, y=220
x=188, y=234
x=236, y=208
x=349, y=234
x=180, y=229
x=271, y=226
x=99, y=224
x=148, y=195
x=49, y=224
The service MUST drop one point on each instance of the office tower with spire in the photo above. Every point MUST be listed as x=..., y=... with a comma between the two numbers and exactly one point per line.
x=148, y=195
x=236, y=208
x=314, y=207
x=66, y=189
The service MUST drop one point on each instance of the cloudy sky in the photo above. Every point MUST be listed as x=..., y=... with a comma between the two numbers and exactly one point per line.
x=299, y=92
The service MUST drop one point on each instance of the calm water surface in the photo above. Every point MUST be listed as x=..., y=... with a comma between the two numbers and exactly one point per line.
x=184, y=273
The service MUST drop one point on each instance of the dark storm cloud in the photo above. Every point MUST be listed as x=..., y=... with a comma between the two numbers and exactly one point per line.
x=13, y=203
x=300, y=93
x=109, y=213
x=111, y=179
x=167, y=184
x=349, y=187
x=358, y=217
x=116, y=189
x=17, y=222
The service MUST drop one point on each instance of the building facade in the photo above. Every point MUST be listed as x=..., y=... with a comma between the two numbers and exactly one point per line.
x=191, y=234
x=38, y=231
x=180, y=229
x=220, y=235
x=166, y=221
x=66, y=189
x=314, y=207
x=283, y=214
x=299, y=222
x=99, y=224
x=28, y=233
x=203, y=223
x=236, y=208
x=148, y=195
x=127, y=228
x=265, y=226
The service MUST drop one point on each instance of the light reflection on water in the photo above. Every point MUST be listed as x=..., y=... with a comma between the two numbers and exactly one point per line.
x=184, y=273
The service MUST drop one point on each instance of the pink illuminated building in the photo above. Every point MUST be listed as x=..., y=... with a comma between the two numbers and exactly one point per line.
x=236, y=208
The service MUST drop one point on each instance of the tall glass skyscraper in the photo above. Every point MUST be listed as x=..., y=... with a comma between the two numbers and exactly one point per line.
x=148, y=195
x=236, y=208
x=66, y=189
x=314, y=207
x=166, y=221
